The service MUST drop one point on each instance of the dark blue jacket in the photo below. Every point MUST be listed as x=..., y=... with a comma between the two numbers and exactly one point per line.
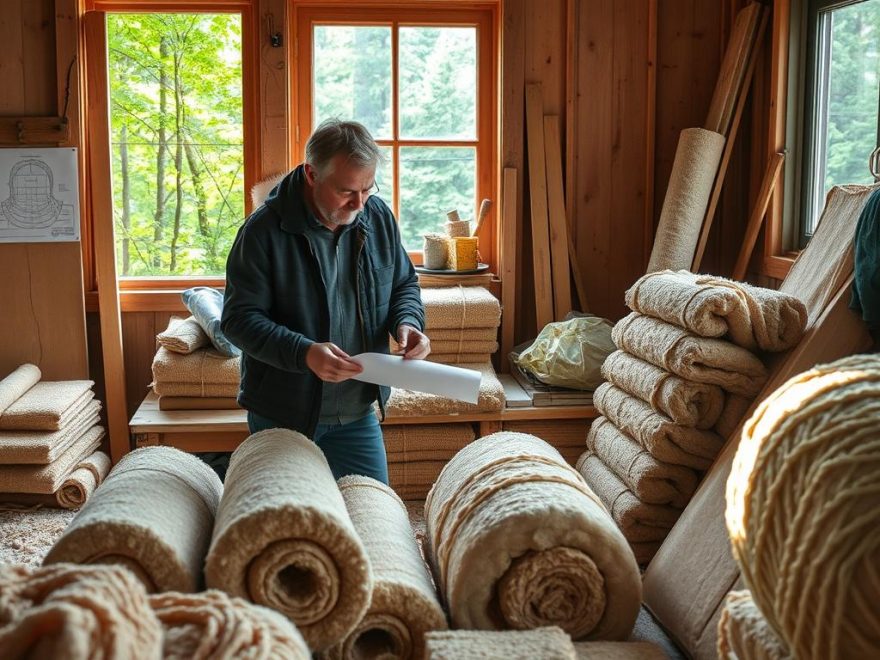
x=276, y=306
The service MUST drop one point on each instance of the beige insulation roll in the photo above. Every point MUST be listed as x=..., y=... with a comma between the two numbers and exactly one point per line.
x=17, y=383
x=284, y=539
x=213, y=624
x=404, y=605
x=687, y=196
x=803, y=509
x=183, y=336
x=68, y=611
x=686, y=403
x=153, y=514
x=47, y=406
x=518, y=540
x=548, y=643
x=744, y=634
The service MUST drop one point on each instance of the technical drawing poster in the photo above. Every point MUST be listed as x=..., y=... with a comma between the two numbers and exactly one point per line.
x=39, y=200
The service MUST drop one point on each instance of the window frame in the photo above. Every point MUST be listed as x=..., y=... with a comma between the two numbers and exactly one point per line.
x=482, y=16
x=162, y=292
x=813, y=110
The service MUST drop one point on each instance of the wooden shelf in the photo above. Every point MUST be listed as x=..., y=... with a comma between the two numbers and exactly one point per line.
x=223, y=430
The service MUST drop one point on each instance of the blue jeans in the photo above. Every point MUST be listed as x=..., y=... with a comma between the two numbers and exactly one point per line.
x=353, y=448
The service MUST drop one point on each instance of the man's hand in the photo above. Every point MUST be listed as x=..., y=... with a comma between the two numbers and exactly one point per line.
x=414, y=345
x=330, y=363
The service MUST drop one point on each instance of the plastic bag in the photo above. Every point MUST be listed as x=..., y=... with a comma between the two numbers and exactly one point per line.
x=570, y=353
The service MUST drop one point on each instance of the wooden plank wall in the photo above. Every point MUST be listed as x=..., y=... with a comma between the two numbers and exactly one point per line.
x=43, y=317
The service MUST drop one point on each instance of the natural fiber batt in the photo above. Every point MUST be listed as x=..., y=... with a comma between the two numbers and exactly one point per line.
x=213, y=624
x=686, y=403
x=518, y=540
x=700, y=359
x=550, y=643
x=664, y=440
x=803, y=509
x=183, y=335
x=404, y=605
x=744, y=634
x=153, y=514
x=709, y=306
x=13, y=386
x=44, y=447
x=68, y=611
x=284, y=539
x=460, y=307
x=47, y=406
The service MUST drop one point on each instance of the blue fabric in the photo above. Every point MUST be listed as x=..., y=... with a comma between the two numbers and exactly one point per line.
x=206, y=305
x=353, y=448
x=866, y=257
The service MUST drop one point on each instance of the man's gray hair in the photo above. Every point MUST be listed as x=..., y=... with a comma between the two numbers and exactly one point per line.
x=348, y=138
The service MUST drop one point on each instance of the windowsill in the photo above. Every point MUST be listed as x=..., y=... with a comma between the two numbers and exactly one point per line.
x=778, y=266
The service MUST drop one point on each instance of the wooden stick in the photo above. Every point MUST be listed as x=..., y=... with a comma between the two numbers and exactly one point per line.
x=485, y=205
x=756, y=219
x=509, y=241
x=733, y=68
x=728, y=150
x=538, y=201
x=95, y=33
x=558, y=229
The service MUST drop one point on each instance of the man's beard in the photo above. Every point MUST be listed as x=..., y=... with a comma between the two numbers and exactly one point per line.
x=338, y=217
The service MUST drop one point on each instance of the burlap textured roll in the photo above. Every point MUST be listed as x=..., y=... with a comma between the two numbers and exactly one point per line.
x=744, y=634
x=687, y=196
x=518, y=540
x=436, y=248
x=284, y=539
x=213, y=624
x=17, y=383
x=153, y=514
x=803, y=509
x=68, y=611
x=404, y=605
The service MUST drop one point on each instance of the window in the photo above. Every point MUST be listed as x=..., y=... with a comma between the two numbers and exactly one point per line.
x=842, y=108
x=422, y=81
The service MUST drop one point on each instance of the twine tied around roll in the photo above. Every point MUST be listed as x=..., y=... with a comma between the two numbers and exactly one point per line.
x=803, y=509
x=436, y=250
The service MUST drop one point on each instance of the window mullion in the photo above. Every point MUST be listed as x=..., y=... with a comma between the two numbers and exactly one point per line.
x=395, y=116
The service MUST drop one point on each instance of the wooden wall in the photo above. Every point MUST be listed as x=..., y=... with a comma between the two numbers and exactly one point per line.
x=625, y=76
x=42, y=317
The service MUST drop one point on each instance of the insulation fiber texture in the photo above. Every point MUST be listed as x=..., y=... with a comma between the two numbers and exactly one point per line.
x=404, y=605
x=744, y=634
x=284, y=539
x=153, y=514
x=803, y=509
x=13, y=386
x=517, y=540
x=549, y=643
x=749, y=316
x=47, y=406
x=687, y=196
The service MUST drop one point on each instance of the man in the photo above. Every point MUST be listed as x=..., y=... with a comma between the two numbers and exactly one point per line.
x=317, y=274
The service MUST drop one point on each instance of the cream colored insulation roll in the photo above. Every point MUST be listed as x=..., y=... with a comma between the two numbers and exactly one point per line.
x=13, y=386
x=153, y=514
x=743, y=632
x=803, y=509
x=548, y=643
x=518, y=540
x=687, y=196
x=404, y=605
x=68, y=611
x=213, y=624
x=284, y=539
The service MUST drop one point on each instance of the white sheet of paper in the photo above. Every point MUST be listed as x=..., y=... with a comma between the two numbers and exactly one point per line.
x=419, y=375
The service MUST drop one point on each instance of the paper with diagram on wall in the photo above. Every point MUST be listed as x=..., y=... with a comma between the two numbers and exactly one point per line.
x=39, y=200
x=419, y=375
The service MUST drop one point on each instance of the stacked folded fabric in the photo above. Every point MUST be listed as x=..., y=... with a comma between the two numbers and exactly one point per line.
x=687, y=369
x=416, y=454
x=462, y=324
x=49, y=440
x=189, y=373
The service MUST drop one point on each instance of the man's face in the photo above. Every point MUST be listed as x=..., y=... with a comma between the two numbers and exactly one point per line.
x=340, y=192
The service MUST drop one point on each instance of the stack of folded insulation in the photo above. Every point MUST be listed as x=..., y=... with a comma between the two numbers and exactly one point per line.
x=189, y=373
x=49, y=440
x=462, y=324
x=686, y=371
x=416, y=454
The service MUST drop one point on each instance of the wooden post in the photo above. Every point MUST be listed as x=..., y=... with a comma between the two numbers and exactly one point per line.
x=509, y=250
x=95, y=31
x=756, y=219
x=559, y=242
